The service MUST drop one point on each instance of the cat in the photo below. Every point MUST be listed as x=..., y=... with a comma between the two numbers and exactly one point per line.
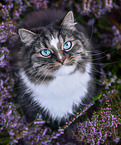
x=54, y=64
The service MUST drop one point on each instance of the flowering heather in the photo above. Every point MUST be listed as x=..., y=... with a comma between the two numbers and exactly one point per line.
x=100, y=121
x=104, y=123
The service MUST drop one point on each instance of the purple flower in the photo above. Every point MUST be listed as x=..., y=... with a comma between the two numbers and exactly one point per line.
x=91, y=22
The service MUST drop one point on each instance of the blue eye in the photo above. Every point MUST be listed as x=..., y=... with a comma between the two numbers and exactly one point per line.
x=45, y=52
x=67, y=45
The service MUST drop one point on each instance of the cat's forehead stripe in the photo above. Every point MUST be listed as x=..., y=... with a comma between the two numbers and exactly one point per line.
x=54, y=42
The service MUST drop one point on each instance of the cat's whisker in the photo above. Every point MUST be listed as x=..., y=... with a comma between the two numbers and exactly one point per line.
x=100, y=64
x=96, y=51
x=38, y=73
x=96, y=70
x=89, y=42
x=100, y=58
x=44, y=73
x=34, y=72
x=91, y=73
x=103, y=64
x=29, y=69
x=44, y=77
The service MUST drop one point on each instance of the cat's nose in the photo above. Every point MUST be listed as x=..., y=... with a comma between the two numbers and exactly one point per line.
x=61, y=60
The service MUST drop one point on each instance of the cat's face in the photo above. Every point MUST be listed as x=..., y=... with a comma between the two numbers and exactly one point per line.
x=55, y=51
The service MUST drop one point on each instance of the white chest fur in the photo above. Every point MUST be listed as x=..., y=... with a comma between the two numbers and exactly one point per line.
x=60, y=94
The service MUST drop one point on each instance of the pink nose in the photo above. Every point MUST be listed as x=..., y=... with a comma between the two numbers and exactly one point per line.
x=61, y=60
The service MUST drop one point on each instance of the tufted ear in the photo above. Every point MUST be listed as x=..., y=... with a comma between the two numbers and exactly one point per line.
x=26, y=36
x=68, y=20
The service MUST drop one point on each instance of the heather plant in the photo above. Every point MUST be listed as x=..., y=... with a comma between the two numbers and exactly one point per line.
x=103, y=125
x=100, y=121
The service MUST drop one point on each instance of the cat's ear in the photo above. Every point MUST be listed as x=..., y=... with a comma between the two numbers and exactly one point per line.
x=26, y=36
x=68, y=21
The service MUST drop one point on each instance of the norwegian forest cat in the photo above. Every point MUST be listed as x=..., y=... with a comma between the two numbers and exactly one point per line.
x=54, y=63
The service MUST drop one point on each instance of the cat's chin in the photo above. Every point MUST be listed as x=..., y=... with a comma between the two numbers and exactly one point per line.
x=65, y=70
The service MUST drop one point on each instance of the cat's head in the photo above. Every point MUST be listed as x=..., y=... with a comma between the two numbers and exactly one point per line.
x=56, y=50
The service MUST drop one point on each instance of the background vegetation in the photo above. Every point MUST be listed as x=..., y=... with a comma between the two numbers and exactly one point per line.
x=101, y=120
